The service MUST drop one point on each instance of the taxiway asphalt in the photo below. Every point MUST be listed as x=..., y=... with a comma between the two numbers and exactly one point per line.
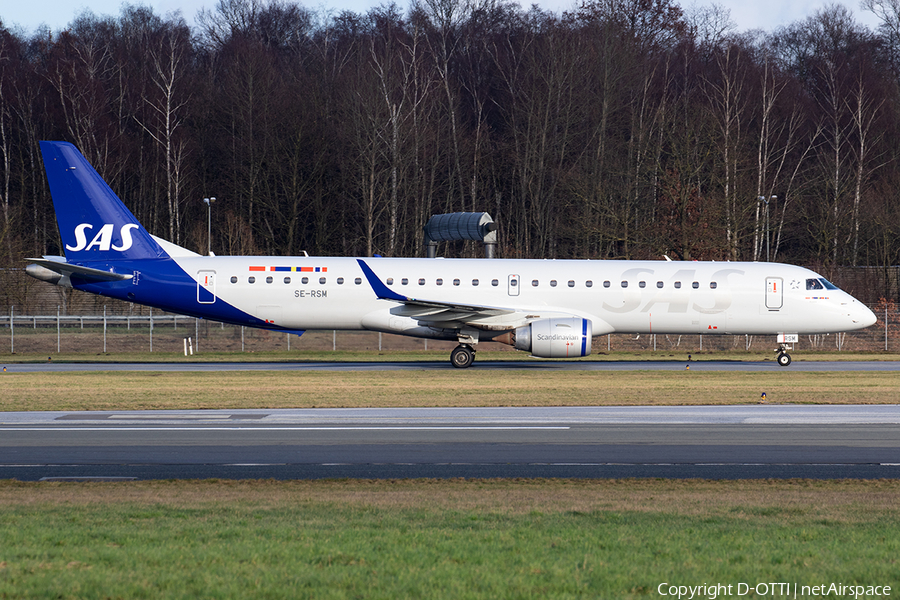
x=731, y=442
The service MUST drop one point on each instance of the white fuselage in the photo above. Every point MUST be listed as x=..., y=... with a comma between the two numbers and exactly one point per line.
x=308, y=293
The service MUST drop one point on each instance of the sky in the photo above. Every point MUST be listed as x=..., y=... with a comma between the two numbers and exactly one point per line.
x=755, y=14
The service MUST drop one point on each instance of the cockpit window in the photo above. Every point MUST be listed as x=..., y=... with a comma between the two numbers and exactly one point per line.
x=814, y=284
x=828, y=285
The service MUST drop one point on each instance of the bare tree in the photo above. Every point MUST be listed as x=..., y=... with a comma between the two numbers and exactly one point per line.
x=730, y=107
x=778, y=140
x=827, y=51
x=864, y=107
x=167, y=101
x=81, y=66
x=5, y=122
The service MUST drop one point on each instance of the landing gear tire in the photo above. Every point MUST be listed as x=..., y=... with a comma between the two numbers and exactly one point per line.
x=784, y=359
x=462, y=357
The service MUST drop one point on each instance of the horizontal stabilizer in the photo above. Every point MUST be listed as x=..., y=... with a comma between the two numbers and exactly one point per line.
x=53, y=270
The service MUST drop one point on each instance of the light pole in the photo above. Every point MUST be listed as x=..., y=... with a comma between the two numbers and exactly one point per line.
x=208, y=202
x=766, y=200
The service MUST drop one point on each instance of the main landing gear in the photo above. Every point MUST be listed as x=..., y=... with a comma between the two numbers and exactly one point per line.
x=462, y=356
x=783, y=358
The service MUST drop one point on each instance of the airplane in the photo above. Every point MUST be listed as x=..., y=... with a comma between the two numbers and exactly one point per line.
x=550, y=308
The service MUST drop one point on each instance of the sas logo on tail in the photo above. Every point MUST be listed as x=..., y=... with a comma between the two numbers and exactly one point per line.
x=103, y=240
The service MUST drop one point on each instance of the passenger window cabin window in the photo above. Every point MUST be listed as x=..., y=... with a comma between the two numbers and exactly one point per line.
x=642, y=284
x=340, y=281
x=571, y=283
x=358, y=281
x=440, y=282
x=456, y=282
x=390, y=281
x=606, y=284
x=695, y=285
x=814, y=284
x=624, y=284
x=677, y=285
x=534, y=282
x=474, y=282
x=421, y=282
x=287, y=279
x=552, y=283
x=589, y=283
x=269, y=279
x=495, y=282
x=713, y=285
x=322, y=280
x=513, y=282
x=659, y=284
x=251, y=279
x=304, y=280
x=404, y=281
x=234, y=280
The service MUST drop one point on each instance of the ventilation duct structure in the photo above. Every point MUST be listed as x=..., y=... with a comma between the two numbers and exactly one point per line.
x=461, y=226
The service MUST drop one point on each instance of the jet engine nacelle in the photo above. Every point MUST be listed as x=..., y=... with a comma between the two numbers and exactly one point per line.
x=555, y=338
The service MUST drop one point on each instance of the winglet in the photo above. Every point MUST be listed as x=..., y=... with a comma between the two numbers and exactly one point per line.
x=382, y=291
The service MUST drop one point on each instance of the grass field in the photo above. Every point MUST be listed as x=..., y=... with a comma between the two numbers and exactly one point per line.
x=439, y=539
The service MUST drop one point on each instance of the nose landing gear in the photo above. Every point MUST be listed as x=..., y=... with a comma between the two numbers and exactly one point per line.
x=783, y=358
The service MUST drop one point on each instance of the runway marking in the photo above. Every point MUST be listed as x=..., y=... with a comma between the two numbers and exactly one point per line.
x=151, y=417
x=76, y=479
x=461, y=464
x=156, y=417
x=268, y=428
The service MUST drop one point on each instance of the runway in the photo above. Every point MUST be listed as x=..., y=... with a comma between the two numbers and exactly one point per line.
x=532, y=365
x=753, y=441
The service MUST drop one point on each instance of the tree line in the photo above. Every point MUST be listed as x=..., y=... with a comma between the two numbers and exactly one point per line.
x=620, y=129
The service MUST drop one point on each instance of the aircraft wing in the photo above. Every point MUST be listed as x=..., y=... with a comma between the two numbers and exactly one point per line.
x=60, y=267
x=432, y=311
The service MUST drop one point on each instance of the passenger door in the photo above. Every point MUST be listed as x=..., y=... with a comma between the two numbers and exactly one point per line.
x=774, y=294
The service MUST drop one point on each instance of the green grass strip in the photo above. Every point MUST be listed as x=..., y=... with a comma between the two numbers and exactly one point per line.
x=289, y=540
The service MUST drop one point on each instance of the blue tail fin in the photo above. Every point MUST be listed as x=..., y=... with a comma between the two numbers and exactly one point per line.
x=93, y=222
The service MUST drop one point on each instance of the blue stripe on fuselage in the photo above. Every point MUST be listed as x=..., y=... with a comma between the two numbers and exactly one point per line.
x=162, y=284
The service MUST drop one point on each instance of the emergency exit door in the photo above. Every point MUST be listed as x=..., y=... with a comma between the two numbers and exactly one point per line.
x=513, y=285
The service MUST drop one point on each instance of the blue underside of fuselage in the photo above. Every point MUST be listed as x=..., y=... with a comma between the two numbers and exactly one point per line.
x=162, y=284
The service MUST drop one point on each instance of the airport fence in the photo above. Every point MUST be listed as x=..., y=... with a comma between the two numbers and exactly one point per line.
x=129, y=328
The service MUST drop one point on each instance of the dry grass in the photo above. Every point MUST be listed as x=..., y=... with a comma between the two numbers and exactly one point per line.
x=309, y=389
x=839, y=501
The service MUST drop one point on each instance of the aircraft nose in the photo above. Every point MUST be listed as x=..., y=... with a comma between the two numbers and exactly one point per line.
x=863, y=316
